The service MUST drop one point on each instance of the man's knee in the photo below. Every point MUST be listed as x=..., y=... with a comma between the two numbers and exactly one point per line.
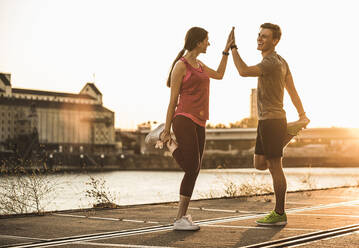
x=275, y=163
x=260, y=162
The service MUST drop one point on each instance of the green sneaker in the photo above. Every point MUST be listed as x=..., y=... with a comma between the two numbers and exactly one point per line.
x=293, y=128
x=273, y=219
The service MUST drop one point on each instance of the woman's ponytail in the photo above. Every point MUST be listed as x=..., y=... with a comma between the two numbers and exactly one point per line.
x=180, y=54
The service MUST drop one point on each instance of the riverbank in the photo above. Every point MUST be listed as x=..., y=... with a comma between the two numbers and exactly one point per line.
x=70, y=190
x=74, y=162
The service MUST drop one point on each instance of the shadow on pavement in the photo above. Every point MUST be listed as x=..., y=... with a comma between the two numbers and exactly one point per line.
x=253, y=236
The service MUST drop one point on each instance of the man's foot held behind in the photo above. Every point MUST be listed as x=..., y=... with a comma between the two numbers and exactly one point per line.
x=293, y=128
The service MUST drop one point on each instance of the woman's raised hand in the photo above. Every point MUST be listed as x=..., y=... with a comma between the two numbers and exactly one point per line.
x=230, y=40
x=233, y=36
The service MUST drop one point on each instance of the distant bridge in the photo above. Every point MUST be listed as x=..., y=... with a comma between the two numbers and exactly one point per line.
x=244, y=138
x=309, y=133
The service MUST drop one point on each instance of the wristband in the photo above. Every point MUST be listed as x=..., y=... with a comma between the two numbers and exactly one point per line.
x=225, y=53
x=234, y=46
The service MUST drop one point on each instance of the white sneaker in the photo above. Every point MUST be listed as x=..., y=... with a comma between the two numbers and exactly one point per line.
x=185, y=224
x=153, y=136
x=294, y=127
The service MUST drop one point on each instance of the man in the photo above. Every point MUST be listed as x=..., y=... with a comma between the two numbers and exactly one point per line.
x=272, y=135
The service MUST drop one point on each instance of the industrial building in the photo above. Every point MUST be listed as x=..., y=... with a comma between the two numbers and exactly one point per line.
x=59, y=122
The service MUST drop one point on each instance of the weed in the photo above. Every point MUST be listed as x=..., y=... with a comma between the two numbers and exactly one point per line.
x=98, y=191
x=232, y=188
x=308, y=180
x=25, y=192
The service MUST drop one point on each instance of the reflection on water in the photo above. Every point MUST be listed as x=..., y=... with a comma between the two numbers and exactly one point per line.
x=138, y=187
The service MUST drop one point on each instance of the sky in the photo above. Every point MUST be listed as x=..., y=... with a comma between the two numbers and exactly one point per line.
x=127, y=48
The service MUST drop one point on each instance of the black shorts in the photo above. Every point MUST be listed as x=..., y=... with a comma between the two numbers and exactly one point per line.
x=271, y=135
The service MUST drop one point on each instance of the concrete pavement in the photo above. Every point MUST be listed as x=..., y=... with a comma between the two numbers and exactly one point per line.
x=321, y=218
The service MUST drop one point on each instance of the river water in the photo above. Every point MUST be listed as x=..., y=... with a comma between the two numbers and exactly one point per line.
x=138, y=187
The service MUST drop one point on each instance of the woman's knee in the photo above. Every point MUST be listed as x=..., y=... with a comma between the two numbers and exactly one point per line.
x=191, y=163
x=192, y=175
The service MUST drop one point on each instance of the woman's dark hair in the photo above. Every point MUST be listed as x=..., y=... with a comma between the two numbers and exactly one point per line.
x=193, y=37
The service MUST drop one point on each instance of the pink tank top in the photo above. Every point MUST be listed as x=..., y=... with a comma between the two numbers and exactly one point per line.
x=194, y=95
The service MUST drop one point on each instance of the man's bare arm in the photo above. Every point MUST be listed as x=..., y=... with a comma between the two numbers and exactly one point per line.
x=242, y=68
x=294, y=95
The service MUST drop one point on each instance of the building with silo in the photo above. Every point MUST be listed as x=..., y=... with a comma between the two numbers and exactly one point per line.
x=62, y=122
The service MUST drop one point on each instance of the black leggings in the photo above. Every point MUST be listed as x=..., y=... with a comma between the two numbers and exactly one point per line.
x=191, y=139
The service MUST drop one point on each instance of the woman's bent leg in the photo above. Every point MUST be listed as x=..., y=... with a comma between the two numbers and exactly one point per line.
x=188, y=156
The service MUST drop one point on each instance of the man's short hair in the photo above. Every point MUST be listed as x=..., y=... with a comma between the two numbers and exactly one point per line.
x=277, y=33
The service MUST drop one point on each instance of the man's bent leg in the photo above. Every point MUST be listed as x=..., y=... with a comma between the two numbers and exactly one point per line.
x=287, y=139
x=279, y=183
x=260, y=162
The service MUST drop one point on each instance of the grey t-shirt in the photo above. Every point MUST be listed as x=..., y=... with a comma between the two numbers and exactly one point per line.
x=270, y=88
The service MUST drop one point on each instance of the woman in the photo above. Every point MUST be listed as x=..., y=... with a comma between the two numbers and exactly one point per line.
x=188, y=112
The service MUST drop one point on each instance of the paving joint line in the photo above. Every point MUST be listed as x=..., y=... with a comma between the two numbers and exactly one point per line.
x=105, y=218
x=305, y=238
x=116, y=234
